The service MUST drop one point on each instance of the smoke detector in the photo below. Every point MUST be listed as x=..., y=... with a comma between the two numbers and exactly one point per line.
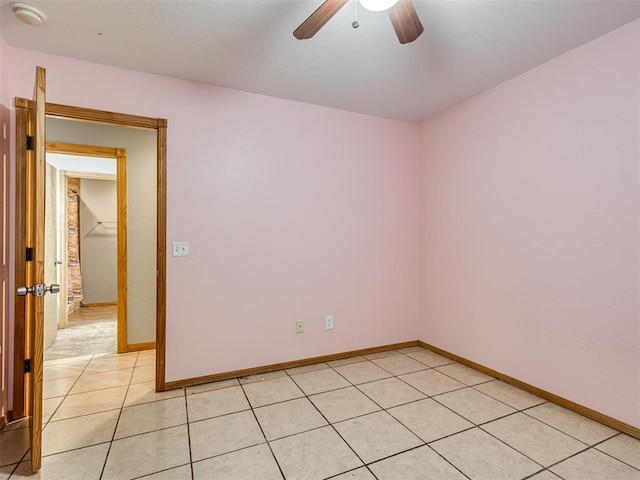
x=28, y=14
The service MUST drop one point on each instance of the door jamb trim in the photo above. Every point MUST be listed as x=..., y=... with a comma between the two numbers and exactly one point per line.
x=118, y=155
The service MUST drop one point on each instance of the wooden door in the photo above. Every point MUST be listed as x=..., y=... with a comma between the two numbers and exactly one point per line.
x=34, y=288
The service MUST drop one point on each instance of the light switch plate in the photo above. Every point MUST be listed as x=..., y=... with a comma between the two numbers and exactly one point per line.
x=180, y=249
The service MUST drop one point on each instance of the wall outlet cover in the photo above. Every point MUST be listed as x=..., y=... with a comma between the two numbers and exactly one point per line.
x=180, y=249
x=328, y=322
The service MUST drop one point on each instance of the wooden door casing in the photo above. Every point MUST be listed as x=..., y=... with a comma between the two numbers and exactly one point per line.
x=120, y=156
x=23, y=128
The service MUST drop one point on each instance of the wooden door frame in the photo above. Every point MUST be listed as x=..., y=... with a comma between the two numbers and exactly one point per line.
x=22, y=128
x=22, y=106
x=120, y=156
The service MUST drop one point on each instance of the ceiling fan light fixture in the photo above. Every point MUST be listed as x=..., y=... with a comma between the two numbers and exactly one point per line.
x=28, y=14
x=378, y=5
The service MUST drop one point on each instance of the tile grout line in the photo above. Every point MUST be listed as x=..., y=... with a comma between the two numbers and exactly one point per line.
x=588, y=447
x=424, y=444
x=115, y=429
x=186, y=411
x=356, y=386
x=456, y=413
x=566, y=433
x=608, y=454
x=255, y=417
x=332, y=425
x=66, y=395
x=534, y=474
x=307, y=396
x=542, y=400
x=514, y=448
x=479, y=426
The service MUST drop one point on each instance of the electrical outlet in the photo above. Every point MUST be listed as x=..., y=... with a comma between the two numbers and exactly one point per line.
x=180, y=249
x=300, y=326
x=328, y=322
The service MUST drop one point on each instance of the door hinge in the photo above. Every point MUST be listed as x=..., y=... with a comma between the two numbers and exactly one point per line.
x=27, y=365
x=29, y=143
x=29, y=254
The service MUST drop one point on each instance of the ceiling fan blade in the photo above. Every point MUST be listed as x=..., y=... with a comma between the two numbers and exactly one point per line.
x=405, y=21
x=317, y=19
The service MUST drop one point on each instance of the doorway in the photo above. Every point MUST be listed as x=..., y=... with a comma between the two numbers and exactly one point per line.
x=84, y=116
x=86, y=207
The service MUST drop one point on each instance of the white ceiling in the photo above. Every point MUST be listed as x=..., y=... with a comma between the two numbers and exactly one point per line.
x=467, y=47
x=80, y=164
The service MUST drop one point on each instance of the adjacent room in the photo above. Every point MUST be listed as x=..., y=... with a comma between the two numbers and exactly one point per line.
x=360, y=242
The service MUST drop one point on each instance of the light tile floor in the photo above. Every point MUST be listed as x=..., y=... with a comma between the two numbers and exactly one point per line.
x=91, y=330
x=401, y=415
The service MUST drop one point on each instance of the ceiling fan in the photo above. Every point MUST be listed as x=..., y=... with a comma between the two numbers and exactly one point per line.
x=403, y=17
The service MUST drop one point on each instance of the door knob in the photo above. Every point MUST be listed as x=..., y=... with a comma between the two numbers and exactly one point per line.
x=23, y=291
x=38, y=290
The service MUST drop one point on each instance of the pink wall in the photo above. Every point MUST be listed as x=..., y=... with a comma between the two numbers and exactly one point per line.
x=528, y=196
x=292, y=212
x=5, y=96
x=5, y=190
x=529, y=203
